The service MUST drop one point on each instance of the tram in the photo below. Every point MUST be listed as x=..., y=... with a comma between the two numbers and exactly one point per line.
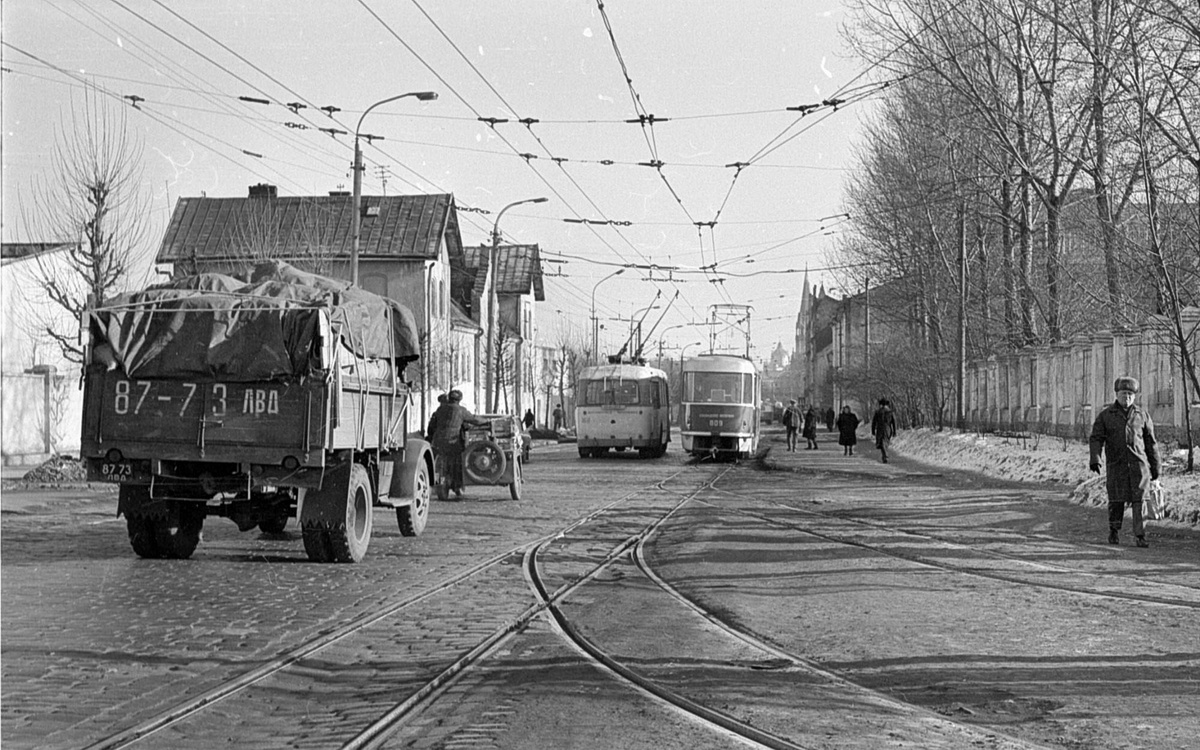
x=720, y=397
x=622, y=406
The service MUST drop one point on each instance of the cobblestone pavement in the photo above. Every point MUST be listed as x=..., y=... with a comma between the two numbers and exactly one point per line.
x=96, y=639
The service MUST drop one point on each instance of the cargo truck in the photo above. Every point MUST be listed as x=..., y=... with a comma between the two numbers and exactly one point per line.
x=282, y=397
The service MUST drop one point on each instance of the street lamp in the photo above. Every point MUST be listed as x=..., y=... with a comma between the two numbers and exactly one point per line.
x=662, y=336
x=595, y=322
x=356, y=225
x=493, y=383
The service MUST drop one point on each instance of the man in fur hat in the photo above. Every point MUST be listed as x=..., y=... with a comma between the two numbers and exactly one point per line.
x=446, y=435
x=1125, y=434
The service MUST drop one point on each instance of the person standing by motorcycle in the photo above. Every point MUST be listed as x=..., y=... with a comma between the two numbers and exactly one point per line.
x=447, y=426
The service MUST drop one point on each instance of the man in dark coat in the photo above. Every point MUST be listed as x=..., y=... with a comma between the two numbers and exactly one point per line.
x=791, y=422
x=1125, y=435
x=446, y=435
x=847, y=424
x=883, y=427
x=830, y=417
x=432, y=428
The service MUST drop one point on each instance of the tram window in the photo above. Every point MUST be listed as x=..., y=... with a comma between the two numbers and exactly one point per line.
x=720, y=387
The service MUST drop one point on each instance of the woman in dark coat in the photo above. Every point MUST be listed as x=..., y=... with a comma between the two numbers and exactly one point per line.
x=847, y=424
x=810, y=429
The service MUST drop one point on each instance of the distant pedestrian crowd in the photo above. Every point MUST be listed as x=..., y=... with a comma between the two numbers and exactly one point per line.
x=804, y=423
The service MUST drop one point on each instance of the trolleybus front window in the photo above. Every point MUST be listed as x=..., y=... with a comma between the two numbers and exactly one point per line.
x=610, y=392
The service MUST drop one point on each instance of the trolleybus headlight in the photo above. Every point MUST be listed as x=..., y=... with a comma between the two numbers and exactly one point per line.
x=291, y=463
x=114, y=456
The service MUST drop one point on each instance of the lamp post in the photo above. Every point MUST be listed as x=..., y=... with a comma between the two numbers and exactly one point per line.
x=595, y=322
x=662, y=336
x=681, y=353
x=493, y=383
x=356, y=224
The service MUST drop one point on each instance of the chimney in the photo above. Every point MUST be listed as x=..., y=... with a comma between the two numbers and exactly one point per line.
x=263, y=190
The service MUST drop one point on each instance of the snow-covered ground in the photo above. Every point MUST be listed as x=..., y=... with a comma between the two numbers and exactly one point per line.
x=1046, y=459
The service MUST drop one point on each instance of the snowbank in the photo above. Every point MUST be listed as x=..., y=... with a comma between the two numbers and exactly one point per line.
x=1044, y=459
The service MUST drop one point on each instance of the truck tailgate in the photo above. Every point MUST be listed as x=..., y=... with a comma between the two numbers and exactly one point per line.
x=174, y=419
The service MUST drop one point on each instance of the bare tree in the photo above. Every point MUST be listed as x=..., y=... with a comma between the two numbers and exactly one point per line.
x=93, y=200
x=299, y=231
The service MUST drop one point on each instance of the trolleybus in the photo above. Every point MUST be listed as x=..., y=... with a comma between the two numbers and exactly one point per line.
x=719, y=399
x=622, y=406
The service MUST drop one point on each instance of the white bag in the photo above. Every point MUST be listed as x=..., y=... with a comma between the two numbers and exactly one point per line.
x=1154, y=502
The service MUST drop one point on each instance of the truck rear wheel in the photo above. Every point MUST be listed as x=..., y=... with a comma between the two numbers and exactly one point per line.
x=274, y=524
x=174, y=539
x=412, y=518
x=142, y=536
x=172, y=532
x=179, y=533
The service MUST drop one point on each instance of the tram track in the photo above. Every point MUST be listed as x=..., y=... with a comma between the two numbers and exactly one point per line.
x=675, y=697
x=378, y=732
x=295, y=659
x=1126, y=587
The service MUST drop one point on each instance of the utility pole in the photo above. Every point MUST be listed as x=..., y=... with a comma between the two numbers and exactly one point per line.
x=961, y=375
x=493, y=346
x=867, y=326
x=356, y=220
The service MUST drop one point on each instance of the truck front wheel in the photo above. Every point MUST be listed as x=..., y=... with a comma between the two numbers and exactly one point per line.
x=412, y=518
x=336, y=520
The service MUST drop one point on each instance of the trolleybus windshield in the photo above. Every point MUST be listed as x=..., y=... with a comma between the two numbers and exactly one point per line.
x=611, y=392
x=720, y=387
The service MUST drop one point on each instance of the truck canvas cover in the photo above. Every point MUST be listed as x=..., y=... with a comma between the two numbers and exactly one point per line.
x=213, y=326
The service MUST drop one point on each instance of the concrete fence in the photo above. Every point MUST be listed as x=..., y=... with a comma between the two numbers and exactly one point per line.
x=1058, y=389
x=42, y=409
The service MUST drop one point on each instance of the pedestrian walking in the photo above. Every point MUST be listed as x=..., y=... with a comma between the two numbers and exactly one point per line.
x=558, y=418
x=830, y=419
x=810, y=429
x=1124, y=434
x=791, y=423
x=883, y=427
x=446, y=427
x=528, y=420
x=847, y=425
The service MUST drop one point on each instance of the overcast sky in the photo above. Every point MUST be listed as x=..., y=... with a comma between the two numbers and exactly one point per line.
x=716, y=76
